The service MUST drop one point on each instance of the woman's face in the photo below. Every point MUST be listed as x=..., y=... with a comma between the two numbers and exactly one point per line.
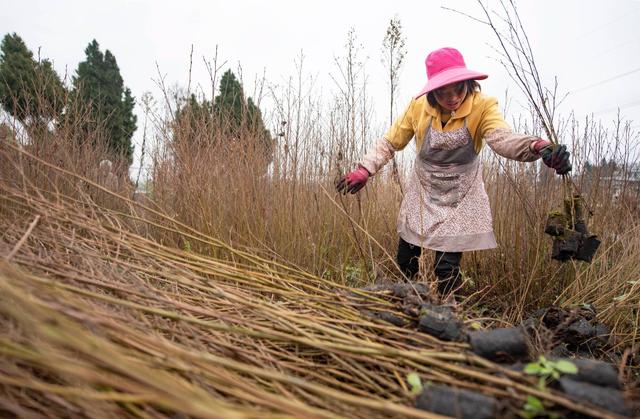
x=451, y=96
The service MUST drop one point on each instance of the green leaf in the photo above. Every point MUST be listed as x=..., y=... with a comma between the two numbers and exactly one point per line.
x=546, y=370
x=533, y=404
x=532, y=368
x=566, y=367
x=414, y=381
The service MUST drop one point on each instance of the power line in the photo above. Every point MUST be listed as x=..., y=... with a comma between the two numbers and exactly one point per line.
x=608, y=51
x=635, y=70
x=604, y=25
x=628, y=105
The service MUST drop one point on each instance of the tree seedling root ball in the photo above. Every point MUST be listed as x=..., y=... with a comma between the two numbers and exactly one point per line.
x=457, y=403
x=571, y=238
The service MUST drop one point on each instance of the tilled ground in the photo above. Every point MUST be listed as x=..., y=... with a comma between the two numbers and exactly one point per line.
x=549, y=334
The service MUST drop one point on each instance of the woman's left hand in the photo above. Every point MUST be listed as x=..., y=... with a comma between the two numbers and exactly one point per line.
x=353, y=181
x=554, y=156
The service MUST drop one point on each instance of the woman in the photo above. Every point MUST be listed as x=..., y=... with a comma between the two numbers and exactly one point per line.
x=445, y=207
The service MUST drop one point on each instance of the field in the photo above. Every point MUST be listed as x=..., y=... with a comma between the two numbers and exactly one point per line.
x=230, y=291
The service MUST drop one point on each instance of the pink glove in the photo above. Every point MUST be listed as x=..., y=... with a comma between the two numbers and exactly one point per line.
x=538, y=145
x=353, y=181
x=557, y=158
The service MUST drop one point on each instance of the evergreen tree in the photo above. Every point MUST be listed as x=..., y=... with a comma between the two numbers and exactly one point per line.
x=256, y=124
x=229, y=104
x=30, y=90
x=193, y=121
x=98, y=87
x=230, y=117
x=236, y=115
x=129, y=119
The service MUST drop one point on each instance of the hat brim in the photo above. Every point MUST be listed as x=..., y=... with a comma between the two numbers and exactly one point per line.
x=449, y=76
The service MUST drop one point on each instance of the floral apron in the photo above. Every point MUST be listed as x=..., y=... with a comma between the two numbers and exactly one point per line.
x=446, y=207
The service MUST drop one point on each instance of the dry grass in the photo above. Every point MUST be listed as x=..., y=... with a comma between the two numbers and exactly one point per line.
x=298, y=218
x=99, y=320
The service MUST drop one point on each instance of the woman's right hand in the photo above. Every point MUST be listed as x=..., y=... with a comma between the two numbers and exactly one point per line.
x=554, y=156
x=353, y=181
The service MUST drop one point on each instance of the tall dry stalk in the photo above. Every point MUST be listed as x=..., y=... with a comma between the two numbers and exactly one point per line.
x=204, y=181
x=100, y=320
x=393, y=54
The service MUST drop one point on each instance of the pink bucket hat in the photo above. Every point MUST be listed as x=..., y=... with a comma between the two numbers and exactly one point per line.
x=446, y=66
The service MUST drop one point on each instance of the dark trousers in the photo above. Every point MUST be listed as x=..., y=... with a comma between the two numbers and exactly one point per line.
x=446, y=266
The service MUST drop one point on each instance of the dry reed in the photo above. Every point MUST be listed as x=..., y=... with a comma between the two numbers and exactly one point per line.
x=98, y=320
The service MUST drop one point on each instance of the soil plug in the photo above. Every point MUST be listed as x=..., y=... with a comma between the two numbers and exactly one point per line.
x=586, y=336
x=579, y=332
x=566, y=246
x=502, y=345
x=571, y=238
x=394, y=319
x=457, y=403
x=439, y=321
x=556, y=223
x=402, y=290
x=596, y=372
x=602, y=334
x=607, y=398
x=561, y=351
x=587, y=248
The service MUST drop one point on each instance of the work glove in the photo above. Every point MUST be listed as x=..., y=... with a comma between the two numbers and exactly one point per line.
x=353, y=181
x=556, y=157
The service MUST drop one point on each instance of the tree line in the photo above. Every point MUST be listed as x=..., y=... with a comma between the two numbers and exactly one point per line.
x=97, y=100
x=33, y=93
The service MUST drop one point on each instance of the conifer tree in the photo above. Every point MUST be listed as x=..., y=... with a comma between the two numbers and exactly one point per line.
x=30, y=90
x=98, y=87
x=231, y=117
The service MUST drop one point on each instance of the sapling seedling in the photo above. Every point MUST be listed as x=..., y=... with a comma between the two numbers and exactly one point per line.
x=414, y=381
x=546, y=369
x=534, y=408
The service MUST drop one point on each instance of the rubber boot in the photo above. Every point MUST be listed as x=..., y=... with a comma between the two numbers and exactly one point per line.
x=447, y=270
x=408, y=256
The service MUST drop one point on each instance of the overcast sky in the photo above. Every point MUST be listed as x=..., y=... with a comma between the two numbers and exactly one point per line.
x=592, y=46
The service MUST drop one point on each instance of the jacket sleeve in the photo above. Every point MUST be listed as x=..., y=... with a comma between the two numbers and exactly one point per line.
x=501, y=138
x=378, y=156
x=397, y=138
x=403, y=129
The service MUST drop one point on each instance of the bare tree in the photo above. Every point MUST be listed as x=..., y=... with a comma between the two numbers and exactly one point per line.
x=352, y=99
x=393, y=53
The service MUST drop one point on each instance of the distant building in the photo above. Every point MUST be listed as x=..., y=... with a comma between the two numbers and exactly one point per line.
x=623, y=182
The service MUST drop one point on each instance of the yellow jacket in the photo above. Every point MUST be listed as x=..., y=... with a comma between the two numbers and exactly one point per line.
x=482, y=114
x=484, y=121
